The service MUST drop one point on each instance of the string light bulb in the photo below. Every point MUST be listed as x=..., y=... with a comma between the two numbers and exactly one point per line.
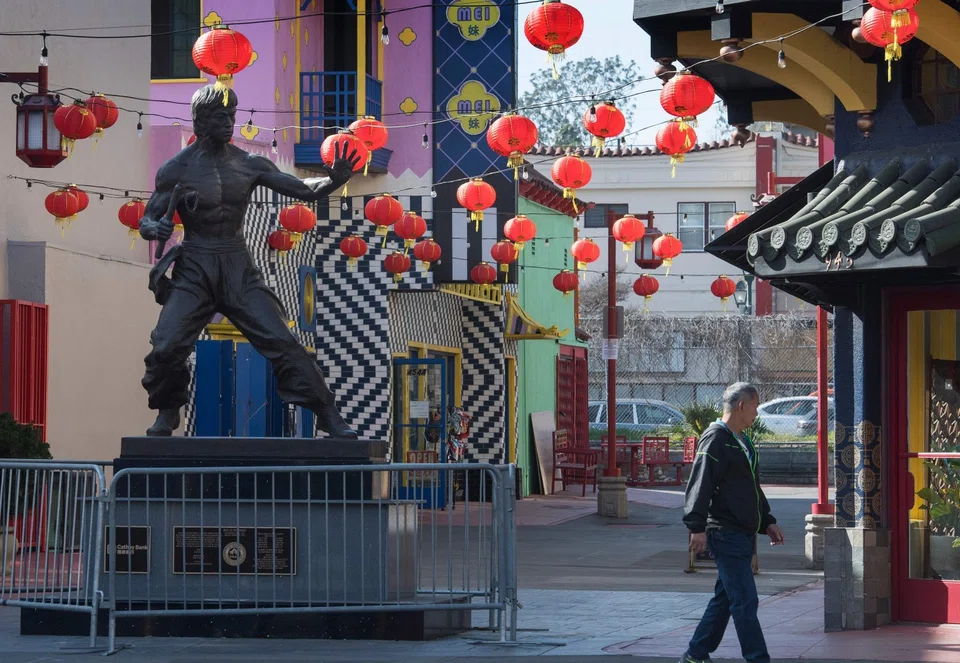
x=719, y=6
x=250, y=121
x=343, y=205
x=425, y=141
x=433, y=193
x=593, y=113
x=384, y=31
x=273, y=145
x=140, y=125
x=44, y=60
x=781, y=57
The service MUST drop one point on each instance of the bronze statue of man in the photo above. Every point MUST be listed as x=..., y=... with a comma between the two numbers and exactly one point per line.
x=213, y=272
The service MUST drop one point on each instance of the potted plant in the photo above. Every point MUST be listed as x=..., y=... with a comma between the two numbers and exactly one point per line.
x=18, y=442
x=942, y=499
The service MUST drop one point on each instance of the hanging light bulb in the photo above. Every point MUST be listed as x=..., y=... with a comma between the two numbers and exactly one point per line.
x=30, y=185
x=273, y=145
x=781, y=57
x=719, y=6
x=593, y=113
x=343, y=205
x=433, y=193
x=425, y=141
x=250, y=121
x=101, y=197
x=44, y=60
x=384, y=31
x=140, y=126
x=546, y=242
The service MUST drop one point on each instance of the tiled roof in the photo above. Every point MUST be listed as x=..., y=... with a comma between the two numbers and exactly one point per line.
x=542, y=190
x=545, y=151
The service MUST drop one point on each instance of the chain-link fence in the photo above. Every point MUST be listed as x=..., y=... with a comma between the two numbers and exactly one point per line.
x=671, y=373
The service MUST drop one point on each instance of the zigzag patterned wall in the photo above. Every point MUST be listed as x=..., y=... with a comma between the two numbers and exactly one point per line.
x=483, y=380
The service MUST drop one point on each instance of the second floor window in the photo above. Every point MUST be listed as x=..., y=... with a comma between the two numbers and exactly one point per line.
x=596, y=217
x=699, y=223
x=175, y=28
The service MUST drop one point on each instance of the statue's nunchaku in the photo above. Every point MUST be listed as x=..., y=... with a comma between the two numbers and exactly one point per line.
x=175, y=199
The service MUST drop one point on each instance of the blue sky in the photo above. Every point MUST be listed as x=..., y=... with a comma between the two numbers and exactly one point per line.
x=609, y=30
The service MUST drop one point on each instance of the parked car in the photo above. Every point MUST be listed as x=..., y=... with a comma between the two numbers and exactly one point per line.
x=641, y=415
x=808, y=425
x=791, y=416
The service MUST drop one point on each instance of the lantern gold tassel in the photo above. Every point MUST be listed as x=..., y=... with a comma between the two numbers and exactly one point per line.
x=133, y=237
x=675, y=161
x=646, y=302
x=351, y=264
x=598, y=143
x=892, y=52
x=224, y=83
x=571, y=195
x=476, y=217
x=900, y=18
x=515, y=161
x=627, y=248
x=555, y=55
x=366, y=166
x=667, y=262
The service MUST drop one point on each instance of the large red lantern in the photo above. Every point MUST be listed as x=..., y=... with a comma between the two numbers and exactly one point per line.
x=74, y=122
x=348, y=143
x=297, y=219
x=646, y=286
x=723, y=288
x=353, y=247
x=63, y=205
x=628, y=230
x=504, y=253
x=104, y=110
x=687, y=95
x=130, y=214
x=899, y=8
x=410, y=228
x=571, y=172
x=675, y=139
x=667, y=247
x=512, y=136
x=396, y=263
x=604, y=121
x=735, y=221
x=281, y=241
x=585, y=251
x=82, y=198
x=877, y=27
x=476, y=196
x=565, y=282
x=222, y=52
x=519, y=230
x=484, y=274
x=427, y=251
x=554, y=27
x=383, y=211
x=372, y=133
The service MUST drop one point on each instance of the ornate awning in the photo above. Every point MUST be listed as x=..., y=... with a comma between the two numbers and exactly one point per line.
x=521, y=327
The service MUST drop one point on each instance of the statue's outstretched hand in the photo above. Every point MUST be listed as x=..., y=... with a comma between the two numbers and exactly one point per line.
x=343, y=165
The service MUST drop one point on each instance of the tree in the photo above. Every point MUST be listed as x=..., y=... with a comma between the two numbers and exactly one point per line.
x=559, y=105
x=593, y=295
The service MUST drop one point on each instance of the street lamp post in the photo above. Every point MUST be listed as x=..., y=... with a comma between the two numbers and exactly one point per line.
x=744, y=295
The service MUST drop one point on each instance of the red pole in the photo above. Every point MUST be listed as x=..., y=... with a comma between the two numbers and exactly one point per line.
x=611, y=470
x=823, y=505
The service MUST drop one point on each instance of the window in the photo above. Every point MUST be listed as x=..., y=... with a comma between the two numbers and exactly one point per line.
x=651, y=414
x=625, y=414
x=699, y=223
x=592, y=413
x=175, y=28
x=596, y=217
x=934, y=88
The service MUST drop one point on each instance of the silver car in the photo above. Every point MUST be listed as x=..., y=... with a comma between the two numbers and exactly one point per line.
x=791, y=416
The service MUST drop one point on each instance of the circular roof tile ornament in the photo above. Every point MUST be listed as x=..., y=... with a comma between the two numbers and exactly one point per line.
x=911, y=232
x=778, y=238
x=804, y=239
x=830, y=235
x=858, y=236
x=753, y=245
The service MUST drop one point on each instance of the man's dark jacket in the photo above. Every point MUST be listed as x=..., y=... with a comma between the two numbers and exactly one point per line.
x=724, y=487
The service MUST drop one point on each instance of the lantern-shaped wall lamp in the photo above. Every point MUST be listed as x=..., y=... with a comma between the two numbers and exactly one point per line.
x=643, y=250
x=38, y=140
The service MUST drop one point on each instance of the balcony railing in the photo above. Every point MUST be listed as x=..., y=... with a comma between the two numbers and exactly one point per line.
x=328, y=99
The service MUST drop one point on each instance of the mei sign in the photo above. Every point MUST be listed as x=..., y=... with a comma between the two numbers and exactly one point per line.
x=473, y=17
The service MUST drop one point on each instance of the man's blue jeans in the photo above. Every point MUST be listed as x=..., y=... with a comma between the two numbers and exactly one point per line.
x=735, y=595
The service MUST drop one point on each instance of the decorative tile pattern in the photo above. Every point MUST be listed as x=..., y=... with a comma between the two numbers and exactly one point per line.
x=858, y=475
x=483, y=381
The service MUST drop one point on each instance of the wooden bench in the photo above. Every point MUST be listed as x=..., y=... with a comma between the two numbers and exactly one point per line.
x=656, y=453
x=574, y=465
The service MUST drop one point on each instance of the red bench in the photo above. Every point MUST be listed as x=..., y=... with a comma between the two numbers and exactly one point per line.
x=574, y=465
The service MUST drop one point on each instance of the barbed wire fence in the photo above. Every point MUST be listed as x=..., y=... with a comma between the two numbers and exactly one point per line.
x=667, y=365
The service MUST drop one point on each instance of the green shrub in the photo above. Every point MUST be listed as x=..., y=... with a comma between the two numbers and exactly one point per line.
x=21, y=441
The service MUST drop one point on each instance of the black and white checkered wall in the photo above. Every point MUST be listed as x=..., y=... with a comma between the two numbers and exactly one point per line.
x=483, y=380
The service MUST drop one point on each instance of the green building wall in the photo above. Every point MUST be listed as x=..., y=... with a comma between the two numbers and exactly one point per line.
x=541, y=260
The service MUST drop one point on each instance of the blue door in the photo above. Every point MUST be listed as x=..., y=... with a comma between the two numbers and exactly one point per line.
x=420, y=427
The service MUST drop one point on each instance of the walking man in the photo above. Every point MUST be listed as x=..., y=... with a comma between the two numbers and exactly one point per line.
x=724, y=510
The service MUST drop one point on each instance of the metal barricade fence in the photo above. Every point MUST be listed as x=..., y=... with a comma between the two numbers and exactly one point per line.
x=52, y=541
x=308, y=539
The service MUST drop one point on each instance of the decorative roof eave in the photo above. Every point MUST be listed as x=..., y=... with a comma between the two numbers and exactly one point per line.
x=521, y=327
x=536, y=187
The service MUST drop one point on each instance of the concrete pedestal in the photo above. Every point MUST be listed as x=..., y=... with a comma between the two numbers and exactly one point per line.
x=813, y=541
x=612, y=497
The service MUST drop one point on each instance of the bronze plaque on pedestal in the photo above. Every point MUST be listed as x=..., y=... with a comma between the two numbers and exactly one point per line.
x=244, y=551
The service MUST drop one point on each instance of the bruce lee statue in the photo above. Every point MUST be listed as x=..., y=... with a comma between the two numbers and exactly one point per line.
x=209, y=184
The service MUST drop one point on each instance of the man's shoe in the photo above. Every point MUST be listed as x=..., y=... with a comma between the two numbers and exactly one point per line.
x=167, y=422
x=331, y=423
x=687, y=658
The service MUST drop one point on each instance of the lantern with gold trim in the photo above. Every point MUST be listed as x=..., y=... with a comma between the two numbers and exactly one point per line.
x=383, y=211
x=628, y=230
x=604, y=121
x=724, y=288
x=427, y=251
x=476, y=196
x=130, y=214
x=105, y=111
x=686, y=96
x=353, y=247
x=667, y=247
x=877, y=27
x=281, y=241
x=297, y=219
x=83, y=199
x=483, y=274
x=675, y=139
x=646, y=286
x=571, y=172
x=347, y=143
x=222, y=52
x=520, y=230
x=735, y=221
x=504, y=253
x=554, y=27
x=74, y=122
x=372, y=133
x=396, y=263
x=410, y=228
x=565, y=282
x=63, y=205
x=512, y=136
x=585, y=251
x=899, y=8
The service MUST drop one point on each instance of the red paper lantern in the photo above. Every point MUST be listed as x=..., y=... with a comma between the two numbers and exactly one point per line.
x=222, y=52
x=585, y=251
x=75, y=122
x=130, y=214
x=604, y=121
x=687, y=95
x=372, y=133
x=82, y=198
x=383, y=211
x=476, y=196
x=281, y=241
x=353, y=247
x=512, y=136
x=571, y=172
x=410, y=228
x=484, y=274
x=396, y=263
x=519, y=230
x=646, y=286
x=554, y=27
x=877, y=28
x=565, y=282
x=628, y=230
x=504, y=253
x=667, y=247
x=735, y=221
x=298, y=219
x=63, y=205
x=675, y=139
x=348, y=142
x=104, y=110
x=899, y=8
x=427, y=252
x=723, y=288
